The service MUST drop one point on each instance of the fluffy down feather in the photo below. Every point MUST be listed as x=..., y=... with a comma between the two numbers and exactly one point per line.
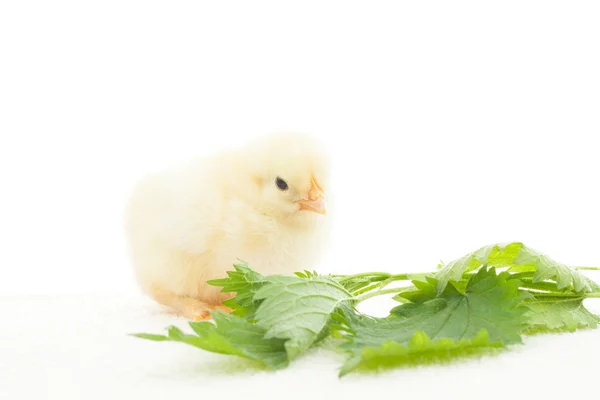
x=190, y=224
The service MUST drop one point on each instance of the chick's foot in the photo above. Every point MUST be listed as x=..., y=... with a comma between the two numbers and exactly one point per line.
x=203, y=313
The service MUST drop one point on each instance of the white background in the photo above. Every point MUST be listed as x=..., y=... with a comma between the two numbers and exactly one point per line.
x=453, y=125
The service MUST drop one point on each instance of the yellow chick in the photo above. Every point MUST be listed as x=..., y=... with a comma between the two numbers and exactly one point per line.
x=263, y=203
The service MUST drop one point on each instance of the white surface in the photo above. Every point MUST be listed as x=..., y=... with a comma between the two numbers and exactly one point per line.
x=75, y=347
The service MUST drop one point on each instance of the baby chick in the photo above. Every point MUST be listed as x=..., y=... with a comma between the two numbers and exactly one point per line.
x=263, y=203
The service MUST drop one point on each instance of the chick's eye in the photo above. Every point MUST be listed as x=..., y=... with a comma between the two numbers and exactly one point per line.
x=281, y=184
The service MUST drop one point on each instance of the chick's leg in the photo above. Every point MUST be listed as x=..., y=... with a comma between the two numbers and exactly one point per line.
x=189, y=307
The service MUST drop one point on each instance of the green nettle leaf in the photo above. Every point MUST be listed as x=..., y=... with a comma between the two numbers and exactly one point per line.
x=467, y=307
x=151, y=336
x=419, y=350
x=455, y=269
x=493, y=256
x=306, y=274
x=504, y=256
x=519, y=259
x=491, y=303
x=298, y=309
x=229, y=335
x=419, y=293
x=530, y=260
x=559, y=314
x=244, y=282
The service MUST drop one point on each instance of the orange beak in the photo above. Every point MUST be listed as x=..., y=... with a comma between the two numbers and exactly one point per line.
x=316, y=199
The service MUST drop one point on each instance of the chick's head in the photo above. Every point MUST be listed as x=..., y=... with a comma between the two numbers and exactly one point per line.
x=291, y=174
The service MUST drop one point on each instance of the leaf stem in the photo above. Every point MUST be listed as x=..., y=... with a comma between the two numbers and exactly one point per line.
x=555, y=294
x=380, y=293
x=376, y=275
x=587, y=268
x=542, y=286
x=566, y=295
x=408, y=277
x=369, y=288
x=381, y=276
x=521, y=275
